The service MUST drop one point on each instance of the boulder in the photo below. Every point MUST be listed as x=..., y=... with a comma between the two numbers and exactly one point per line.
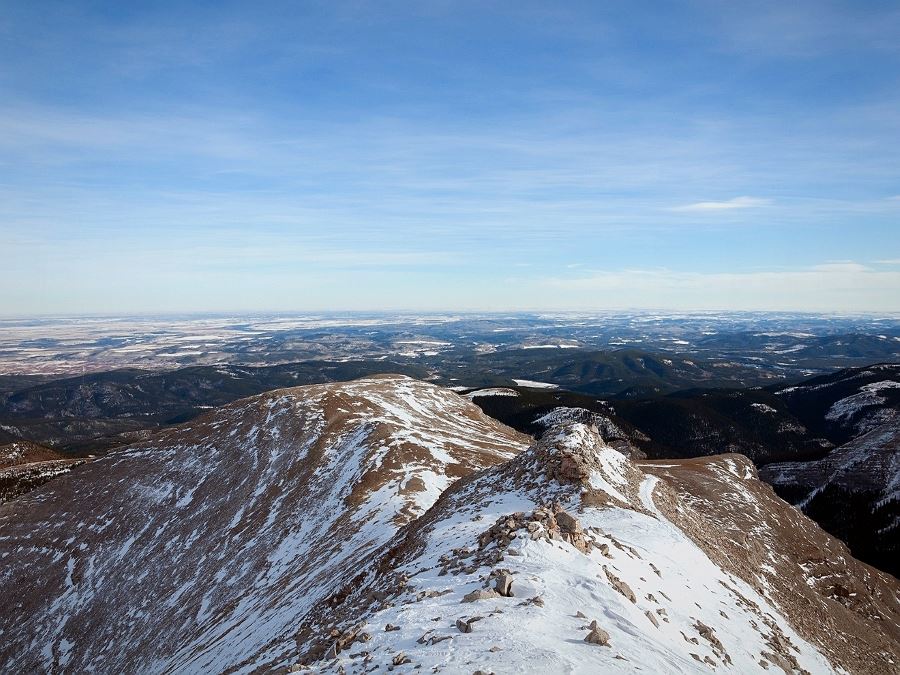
x=481, y=594
x=400, y=658
x=597, y=636
x=567, y=522
x=503, y=584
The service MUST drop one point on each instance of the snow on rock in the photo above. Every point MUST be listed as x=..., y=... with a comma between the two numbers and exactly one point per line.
x=611, y=432
x=202, y=549
x=572, y=558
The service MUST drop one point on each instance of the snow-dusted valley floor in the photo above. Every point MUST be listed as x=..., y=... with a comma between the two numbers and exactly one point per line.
x=387, y=524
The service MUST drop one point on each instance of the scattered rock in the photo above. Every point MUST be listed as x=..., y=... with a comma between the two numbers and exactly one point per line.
x=597, y=636
x=580, y=615
x=708, y=634
x=465, y=625
x=400, y=658
x=652, y=618
x=481, y=594
x=391, y=627
x=620, y=585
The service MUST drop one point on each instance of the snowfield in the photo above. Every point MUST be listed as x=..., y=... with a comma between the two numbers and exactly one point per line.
x=531, y=384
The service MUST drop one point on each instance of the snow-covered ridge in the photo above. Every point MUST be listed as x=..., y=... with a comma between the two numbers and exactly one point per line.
x=844, y=409
x=532, y=384
x=202, y=549
x=387, y=522
x=572, y=558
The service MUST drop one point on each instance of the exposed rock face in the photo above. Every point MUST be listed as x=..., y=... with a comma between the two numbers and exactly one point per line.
x=205, y=547
x=324, y=527
x=612, y=434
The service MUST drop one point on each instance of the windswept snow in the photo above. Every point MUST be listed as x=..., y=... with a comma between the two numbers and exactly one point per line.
x=531, y=384
x=664, y=603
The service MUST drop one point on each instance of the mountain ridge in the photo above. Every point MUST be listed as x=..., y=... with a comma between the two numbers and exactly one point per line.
x=260, y=535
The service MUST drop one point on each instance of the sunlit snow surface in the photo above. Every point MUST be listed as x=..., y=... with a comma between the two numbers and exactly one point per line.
x=549, y=638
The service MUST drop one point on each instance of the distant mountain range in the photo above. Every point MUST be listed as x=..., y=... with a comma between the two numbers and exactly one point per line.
x=828, y=444
x=101, y=410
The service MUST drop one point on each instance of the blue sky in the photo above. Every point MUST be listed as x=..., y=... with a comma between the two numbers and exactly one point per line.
x=217, y=156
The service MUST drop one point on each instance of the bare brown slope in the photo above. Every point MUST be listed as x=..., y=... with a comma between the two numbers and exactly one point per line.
x=850, y=610
x=203, y=548
x=25, y=466
x=26, y=452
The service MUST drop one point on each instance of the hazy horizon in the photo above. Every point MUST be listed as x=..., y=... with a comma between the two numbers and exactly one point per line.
x=351, y=157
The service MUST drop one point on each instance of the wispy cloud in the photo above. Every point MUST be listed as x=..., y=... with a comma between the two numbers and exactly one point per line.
x=280, y=154
x=727, y=205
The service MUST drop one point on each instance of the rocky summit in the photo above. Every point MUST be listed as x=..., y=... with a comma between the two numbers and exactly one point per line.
x=388, y=524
